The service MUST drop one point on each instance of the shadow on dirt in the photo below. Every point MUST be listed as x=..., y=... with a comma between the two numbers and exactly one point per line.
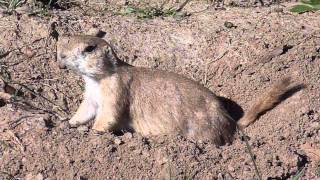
x=233, y=109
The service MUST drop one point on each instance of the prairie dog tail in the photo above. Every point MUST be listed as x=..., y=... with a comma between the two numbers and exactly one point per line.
x=266, y=102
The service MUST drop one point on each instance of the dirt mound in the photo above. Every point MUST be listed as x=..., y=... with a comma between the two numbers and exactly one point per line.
x=237, y=62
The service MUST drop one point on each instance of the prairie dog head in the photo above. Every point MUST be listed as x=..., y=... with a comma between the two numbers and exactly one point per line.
x=87, y=55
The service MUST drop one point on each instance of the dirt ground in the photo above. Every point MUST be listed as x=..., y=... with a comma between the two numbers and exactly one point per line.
x=238, y=62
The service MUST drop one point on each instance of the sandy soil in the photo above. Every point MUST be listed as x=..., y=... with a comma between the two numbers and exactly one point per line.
x=238, y=63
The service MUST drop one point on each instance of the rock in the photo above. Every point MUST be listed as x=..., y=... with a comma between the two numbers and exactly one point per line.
x=161, y=158
x=138, y=151
x=64, y=125
x=39, y=177
x=228, y=177
x=145, y=154
x=246, y=168
x=30, y=176
x=117, y=141
x=220, y=176
x=2, y=85
x=292, y=160
x=168, y=172
x=277, y=10
x=5, y=97
x=247, y=172
x=128, y=135
x=281, y=138
x=229, y=25
x=231, y=168
x=2, y=12
x=315, y=125
x=303, y=110
x=28, y=51
x=23, y=10
x=41, y=122
x=83, y=129
x=96, y=32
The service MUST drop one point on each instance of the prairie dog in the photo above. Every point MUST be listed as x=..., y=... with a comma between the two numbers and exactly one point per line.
x=152, y=102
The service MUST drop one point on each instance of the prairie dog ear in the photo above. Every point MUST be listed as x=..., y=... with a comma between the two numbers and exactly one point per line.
x=108, y=51
x=110, y=54
x=96, y=32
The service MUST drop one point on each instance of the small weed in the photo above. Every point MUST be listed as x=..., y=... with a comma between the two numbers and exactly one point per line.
x=15, y=95
x=37, y=7
x=306, y=6
x=186, y=175
x=318, y=169
x=299, y=174
x=148, y=12
x=4, y=73
x=5, y=144
x=6, y=175
x=81, y=86
x=152, y=12
x=10, y=5
x=43, y=11
x=41, y=8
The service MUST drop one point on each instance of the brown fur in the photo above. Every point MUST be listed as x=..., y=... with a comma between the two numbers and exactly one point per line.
x=265, y=102
x=151, y=102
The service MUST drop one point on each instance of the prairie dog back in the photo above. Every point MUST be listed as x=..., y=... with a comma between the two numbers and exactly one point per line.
x=152, y=102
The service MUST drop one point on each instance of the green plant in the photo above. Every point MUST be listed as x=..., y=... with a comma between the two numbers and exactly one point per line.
x=41, y=8
x=317, y=169
x=10, y=5
x=306, y=6
x=152, y=12
x=37, y=7
x=299, y=174
x=148, y=12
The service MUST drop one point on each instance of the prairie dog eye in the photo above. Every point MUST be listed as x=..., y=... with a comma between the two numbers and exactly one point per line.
x=90, y=48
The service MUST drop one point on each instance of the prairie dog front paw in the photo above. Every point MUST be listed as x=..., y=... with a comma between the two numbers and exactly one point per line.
x=74, y=122
x=99, y=128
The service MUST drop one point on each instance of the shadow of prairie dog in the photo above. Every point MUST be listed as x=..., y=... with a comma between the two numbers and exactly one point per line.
x=151, y=102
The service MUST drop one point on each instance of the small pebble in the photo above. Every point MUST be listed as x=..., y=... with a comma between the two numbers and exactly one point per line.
x=29, y=52
x=138, y=151
x=315, y=125
x=117, y=141
x=277, y=10
x=64, y=125
x=303, y=110
x=228, y=177
x=30, y=176
x=39, y=177
x=228, y=24
x=23, y=10
x=128, y=135
x=246, y=168
x=230, y=168
x=281, y=138
x=83, y=129
x=145, y=154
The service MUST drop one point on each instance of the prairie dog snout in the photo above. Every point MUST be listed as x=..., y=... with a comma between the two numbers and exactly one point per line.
x=152, y=102
x=90, y=56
